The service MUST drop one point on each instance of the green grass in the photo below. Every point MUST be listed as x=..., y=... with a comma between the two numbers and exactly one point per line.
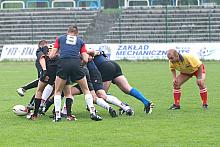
x=188, y=127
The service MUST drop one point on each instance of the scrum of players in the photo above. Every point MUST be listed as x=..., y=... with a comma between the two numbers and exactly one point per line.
x=66, y=69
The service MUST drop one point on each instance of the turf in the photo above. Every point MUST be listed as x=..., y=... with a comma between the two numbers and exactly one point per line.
x=189, y=126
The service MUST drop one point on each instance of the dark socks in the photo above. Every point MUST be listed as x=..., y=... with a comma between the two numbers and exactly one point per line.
x=32, y=84
x=48, y=104
x=37, y=105
x=69, y=102
x=32, y=100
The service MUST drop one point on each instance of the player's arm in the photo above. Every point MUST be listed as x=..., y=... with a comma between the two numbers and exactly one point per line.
x=97, y=53
x=42, y=61
x=173, y=71
x=54, y=51
x=84, y=54
x=41, y=57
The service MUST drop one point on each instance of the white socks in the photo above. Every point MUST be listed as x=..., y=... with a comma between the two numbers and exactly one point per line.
x=115, y=101
x=89, y=103
x=64, y=108
x=47, y=92
x=102, y=103
x=57, y=104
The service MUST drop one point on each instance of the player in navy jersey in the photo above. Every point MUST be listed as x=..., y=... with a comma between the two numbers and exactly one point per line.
x=96, y=79
x=111, y=73
x=72, y=53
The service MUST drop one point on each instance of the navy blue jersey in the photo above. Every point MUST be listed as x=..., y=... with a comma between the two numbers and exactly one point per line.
x=91, y=65
x=100, y=59
x=95, y=76
x=69, y=46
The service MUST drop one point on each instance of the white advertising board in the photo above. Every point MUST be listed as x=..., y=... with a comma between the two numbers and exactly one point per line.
x=206, y=51
x=19, y=52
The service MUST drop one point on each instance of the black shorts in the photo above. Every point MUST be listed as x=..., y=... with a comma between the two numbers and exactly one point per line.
x=96, y=79
x=51, y=73
x=110, y=70
x=70, y=69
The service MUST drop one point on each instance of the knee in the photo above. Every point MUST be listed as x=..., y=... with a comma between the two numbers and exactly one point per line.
x=126, y=89
x=101, y=95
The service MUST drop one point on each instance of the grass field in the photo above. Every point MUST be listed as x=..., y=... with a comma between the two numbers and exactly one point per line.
x=190, y=126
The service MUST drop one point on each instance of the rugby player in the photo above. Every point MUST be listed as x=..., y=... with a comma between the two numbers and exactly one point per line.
x=111, y=73
x=72, y=53
x=47, y=71
x=188, y=65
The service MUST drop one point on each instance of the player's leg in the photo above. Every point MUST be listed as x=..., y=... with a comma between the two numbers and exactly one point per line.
x=59, y=85
x=106, y=85
x=200, y=80
x=88, y=98
x=47, y=92
x=37, y=100
x=23, y=89
x=180, y=79
x=75, y=90
x=102, y=103
x=69, y=102
x=30, y=106
x=115, y=101
x=49, y=102
x=123, y=84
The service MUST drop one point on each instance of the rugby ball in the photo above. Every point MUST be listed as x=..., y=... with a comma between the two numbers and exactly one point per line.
x=20, y=110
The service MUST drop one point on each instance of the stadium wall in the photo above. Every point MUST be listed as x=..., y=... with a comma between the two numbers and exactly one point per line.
x=205, y=51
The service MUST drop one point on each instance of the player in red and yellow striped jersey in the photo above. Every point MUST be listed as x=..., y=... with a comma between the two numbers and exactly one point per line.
x=188, y=65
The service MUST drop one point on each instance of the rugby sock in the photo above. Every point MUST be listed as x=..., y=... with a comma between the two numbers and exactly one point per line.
x=204, y=95
x=115, y=101
x=138, y=95
x=57, y=104
x=89, y=103
x=69, y=102
x=49, y=102
x=32, y=84
x=177, y=95
x=36, y=105
x=63, y=111
x=102, y=103
x=32, y=100
x=47, y=92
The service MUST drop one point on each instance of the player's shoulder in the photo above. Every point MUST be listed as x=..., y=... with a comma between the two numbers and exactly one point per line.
x=80, y=40
x=188, y=55
x=191, y=56
x=62, y=36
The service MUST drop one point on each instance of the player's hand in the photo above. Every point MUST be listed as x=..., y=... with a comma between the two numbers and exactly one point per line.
x=90, y=58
